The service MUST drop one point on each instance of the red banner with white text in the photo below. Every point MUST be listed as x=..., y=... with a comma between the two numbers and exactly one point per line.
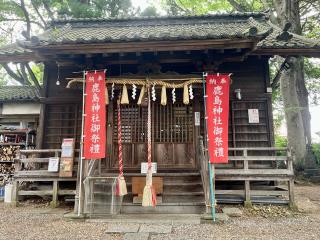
x=217, y=103
x=95, y=116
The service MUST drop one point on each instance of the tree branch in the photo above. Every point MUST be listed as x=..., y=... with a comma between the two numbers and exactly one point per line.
x=26, y=15
x=13, y=74
x=39, y=15
x=20, y=20
x=33, y=77
x=47, y=7
x=236, y=6
x=23, y=74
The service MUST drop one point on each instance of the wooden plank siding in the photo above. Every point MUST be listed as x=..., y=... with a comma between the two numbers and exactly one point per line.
x=63, y=114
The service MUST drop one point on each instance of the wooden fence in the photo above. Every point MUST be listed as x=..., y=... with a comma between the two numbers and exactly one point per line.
x=32, y=166
x=252, y=165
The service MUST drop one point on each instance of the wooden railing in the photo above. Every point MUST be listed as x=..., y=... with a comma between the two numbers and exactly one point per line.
x=250, y=165
x=32, y=166
x=204, y=170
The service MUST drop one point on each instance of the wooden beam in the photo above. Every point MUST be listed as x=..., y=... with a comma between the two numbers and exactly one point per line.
x=307, y=52
x=21, y=58
x=151, y=46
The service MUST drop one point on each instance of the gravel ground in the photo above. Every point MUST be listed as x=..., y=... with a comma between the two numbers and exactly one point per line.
x=38, y=221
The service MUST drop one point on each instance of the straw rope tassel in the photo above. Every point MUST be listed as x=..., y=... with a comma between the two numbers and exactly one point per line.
x=141, y=95
x=163, y=96
x=124, y=97
x=185, y=94
x=149, y=195
x=121, y=187
x=106, y=95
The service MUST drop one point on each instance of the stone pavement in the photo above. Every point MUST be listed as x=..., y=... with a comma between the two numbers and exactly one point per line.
x=138, y=231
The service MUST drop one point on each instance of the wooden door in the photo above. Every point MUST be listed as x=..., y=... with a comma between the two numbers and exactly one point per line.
x=172, y=136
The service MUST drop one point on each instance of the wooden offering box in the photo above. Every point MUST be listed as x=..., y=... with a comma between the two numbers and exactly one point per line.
x=138, y=184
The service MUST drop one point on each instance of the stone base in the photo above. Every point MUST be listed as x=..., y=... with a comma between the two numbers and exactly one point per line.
x=54, y=204
x=136, y=236
x=220, y=218
x=74, y=217
x=247, y=204
x=232, y=211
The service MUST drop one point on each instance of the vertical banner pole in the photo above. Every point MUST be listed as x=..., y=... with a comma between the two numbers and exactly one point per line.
x=210, y=166
x=81, y=143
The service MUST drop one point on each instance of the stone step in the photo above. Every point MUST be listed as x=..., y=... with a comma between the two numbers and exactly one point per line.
x=160, y=174
x=165, y=208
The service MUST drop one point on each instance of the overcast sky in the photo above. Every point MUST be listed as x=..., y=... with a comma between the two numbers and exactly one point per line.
x=144, y=3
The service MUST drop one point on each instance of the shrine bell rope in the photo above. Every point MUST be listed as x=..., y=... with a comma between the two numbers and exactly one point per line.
x=121, y=187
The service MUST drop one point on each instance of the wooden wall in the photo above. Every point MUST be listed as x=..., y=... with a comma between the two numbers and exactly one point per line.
x=63, y=106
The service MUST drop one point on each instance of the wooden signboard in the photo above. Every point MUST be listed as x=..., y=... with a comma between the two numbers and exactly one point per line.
x=138, y=184
x=67, y=157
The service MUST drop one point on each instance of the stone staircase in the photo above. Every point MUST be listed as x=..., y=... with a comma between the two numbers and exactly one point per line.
x=182, y=193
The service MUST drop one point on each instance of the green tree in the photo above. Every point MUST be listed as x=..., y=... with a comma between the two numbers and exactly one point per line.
x=33, y=16
x=304, y=15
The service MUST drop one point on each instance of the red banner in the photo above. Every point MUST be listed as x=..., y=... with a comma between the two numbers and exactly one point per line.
x=217, y=87
x=95, y=116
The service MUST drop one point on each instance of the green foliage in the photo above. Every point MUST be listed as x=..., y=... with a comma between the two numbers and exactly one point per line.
x=180, y=7
x=312, y=76
x=92, y=9
x=150, y=11
x=316, y=151
x=32, y=15
x=280, y=141
x=37, y=70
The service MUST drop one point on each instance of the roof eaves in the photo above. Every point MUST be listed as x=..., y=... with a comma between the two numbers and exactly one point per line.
x=142, y=18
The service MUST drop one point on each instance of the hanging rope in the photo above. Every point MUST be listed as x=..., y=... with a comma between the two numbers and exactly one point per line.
x=119, y=140
x=144, y=82
x=121, y=186
x=149, y=134
x=149, y=194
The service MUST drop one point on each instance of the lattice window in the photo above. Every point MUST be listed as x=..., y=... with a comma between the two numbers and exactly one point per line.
x=62, y=121
x=172, y=123
x=133, y=123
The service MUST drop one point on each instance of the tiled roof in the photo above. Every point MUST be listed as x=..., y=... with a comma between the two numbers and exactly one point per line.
x=151, y=29
x=219, y=26
x=296, y=42
x=143, y=29
x=13, y=49
x=18, y=93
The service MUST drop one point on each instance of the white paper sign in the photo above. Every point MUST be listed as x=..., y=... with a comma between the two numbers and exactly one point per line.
x=53, y=164
x=253, y=115
x=67, y=147
x=197, y=118
x=144, y=167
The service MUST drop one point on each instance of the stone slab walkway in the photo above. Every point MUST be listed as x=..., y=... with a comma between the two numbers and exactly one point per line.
x=138, y=231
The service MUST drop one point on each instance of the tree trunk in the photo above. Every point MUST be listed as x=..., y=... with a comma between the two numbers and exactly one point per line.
x=294, y=120
x=294, y=91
